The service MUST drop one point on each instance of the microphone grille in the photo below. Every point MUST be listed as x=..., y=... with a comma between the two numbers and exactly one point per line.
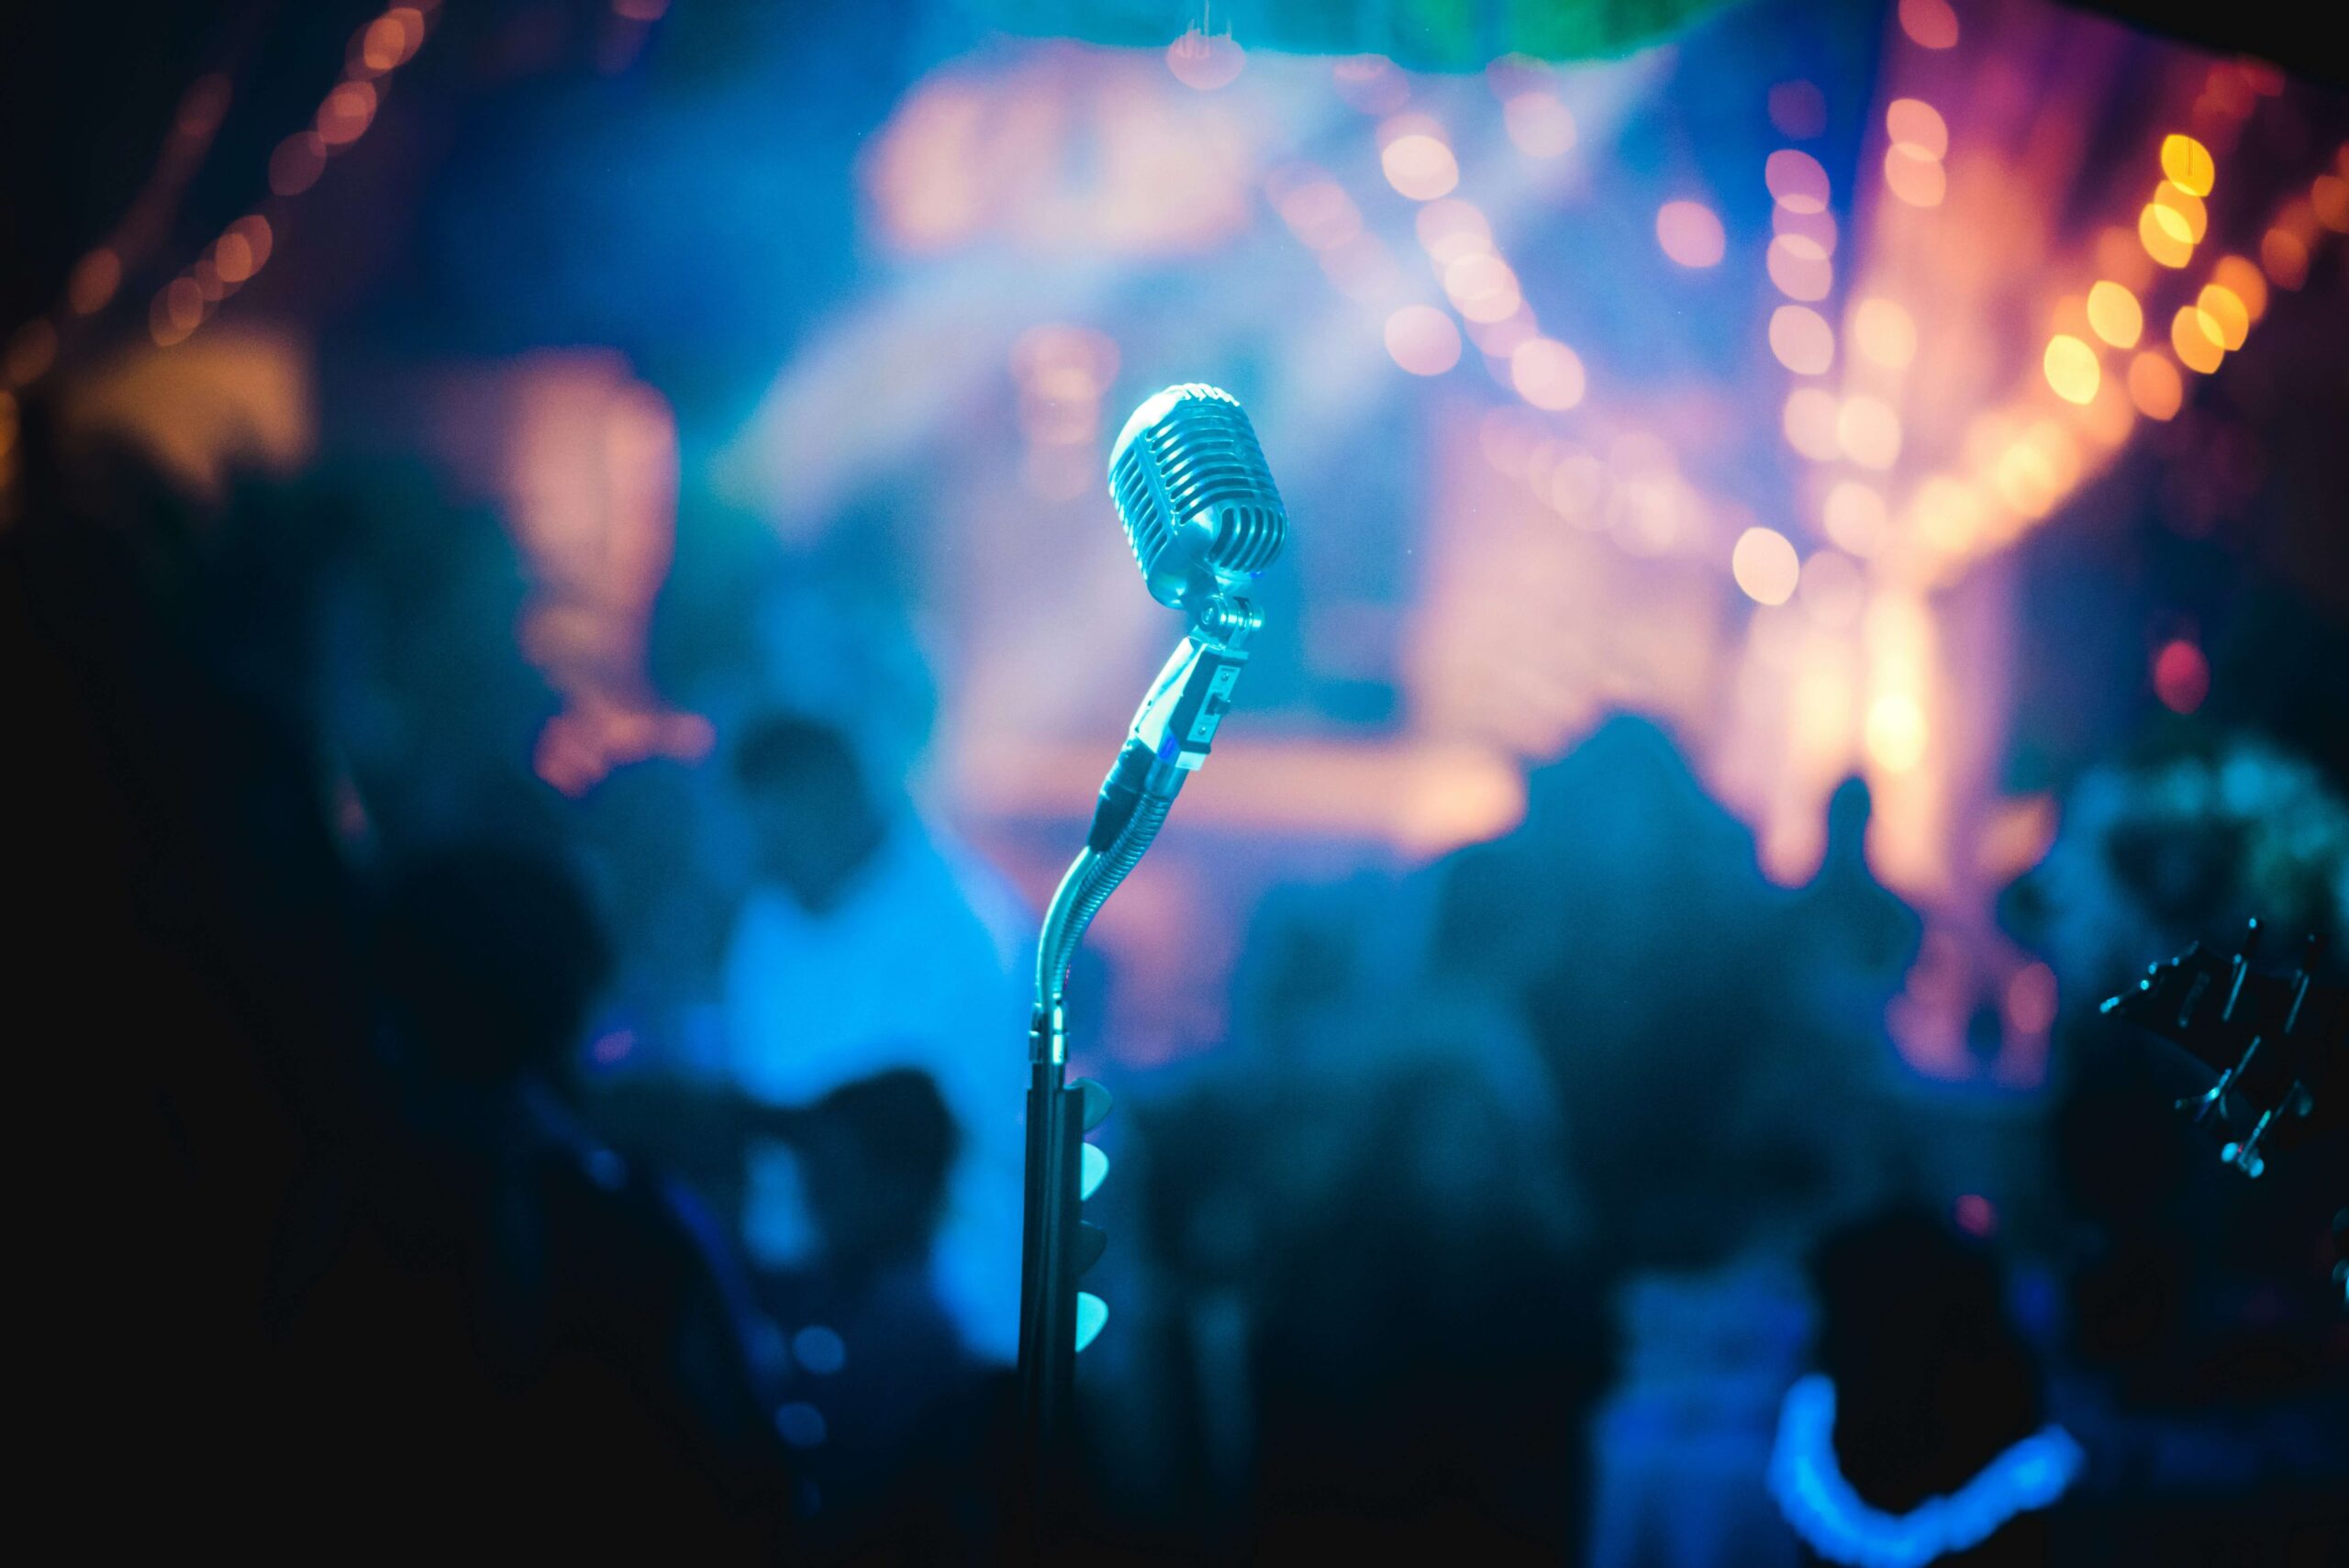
x=1190, y=484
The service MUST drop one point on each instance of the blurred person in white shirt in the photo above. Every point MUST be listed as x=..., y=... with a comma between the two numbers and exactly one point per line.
x=872, y=941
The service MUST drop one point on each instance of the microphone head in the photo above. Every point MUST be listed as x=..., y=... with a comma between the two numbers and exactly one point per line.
x=1191, y=487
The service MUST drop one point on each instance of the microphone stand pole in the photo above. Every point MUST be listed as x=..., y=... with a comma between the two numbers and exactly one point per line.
x=1169, y=739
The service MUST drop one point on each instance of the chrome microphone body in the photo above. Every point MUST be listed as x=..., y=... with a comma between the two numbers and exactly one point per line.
x=1201, y=514
x=1204, y=519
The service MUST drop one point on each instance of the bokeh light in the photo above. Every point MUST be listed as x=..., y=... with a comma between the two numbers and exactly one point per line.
x=1810, y=424
x=1801, y=339
x=1797, y=181
x=1540, y=125
x=345, y=115
x=2181, y=675
x=1868, y=431
x=1419, y=166
x=2221, y=305
x=2164, y=232
x=1801, y=268
x=2242, y=277
x=1483, y=287
x=1929, y=23
x=1547, y=374
x=1854, y=516
x=2194, y=217
x=296, y=164
x=2071, y=369
x=1798, y=109
x=1915, y=178
x=1766, y=566
x=1451, y=228
x=1690, y=233
x=2197, y=339
x=1422, y=340
x=2188, y=165
x=1916, y=124
x=2115, y=314
x=2286, y=256
x=1885, y=333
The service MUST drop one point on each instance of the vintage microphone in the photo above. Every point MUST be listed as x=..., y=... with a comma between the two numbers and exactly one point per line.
x=1198, y=505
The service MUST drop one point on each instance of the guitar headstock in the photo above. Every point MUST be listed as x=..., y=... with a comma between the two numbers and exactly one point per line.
x=2275, y=1040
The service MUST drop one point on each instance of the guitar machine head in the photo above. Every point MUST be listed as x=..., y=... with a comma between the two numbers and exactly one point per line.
x=2276, y=1042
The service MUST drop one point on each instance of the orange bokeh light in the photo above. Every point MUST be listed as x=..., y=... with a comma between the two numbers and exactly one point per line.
x=2242, y=278
x=2221, y=305
x=1914, y=123
x=2199, y=341
x=2188, y=165
x=1915, y=178
x=2154, y=386
x=1929, y=23
x=2164, y=233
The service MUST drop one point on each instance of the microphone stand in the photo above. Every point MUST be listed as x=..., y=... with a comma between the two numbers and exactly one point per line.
x=1170, y=737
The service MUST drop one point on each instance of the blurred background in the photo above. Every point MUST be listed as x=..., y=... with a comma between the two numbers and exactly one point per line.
x=568, y=620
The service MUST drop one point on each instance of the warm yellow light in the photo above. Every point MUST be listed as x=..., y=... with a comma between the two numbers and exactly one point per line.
x=1915, y=178
x=1801, y=339
x=2219, y=302
x=2189, y=164
x=1766, y=566
x=1854, y=516
x=1422, y=340
x=1895, y=732
x=1810, y=424
x=1547, y=374
x=2071, y=369
x=2165, y=236
x=1886, y=333
x=2154, y=386
x=1868, y=431
x=2188, y=206
x=2196, y=338
x=2242, y=277
x=2115, y=314
x=1419, y=166
x=1914, y=123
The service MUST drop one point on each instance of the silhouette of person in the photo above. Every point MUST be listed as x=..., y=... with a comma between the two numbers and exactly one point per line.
x=871, y=942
